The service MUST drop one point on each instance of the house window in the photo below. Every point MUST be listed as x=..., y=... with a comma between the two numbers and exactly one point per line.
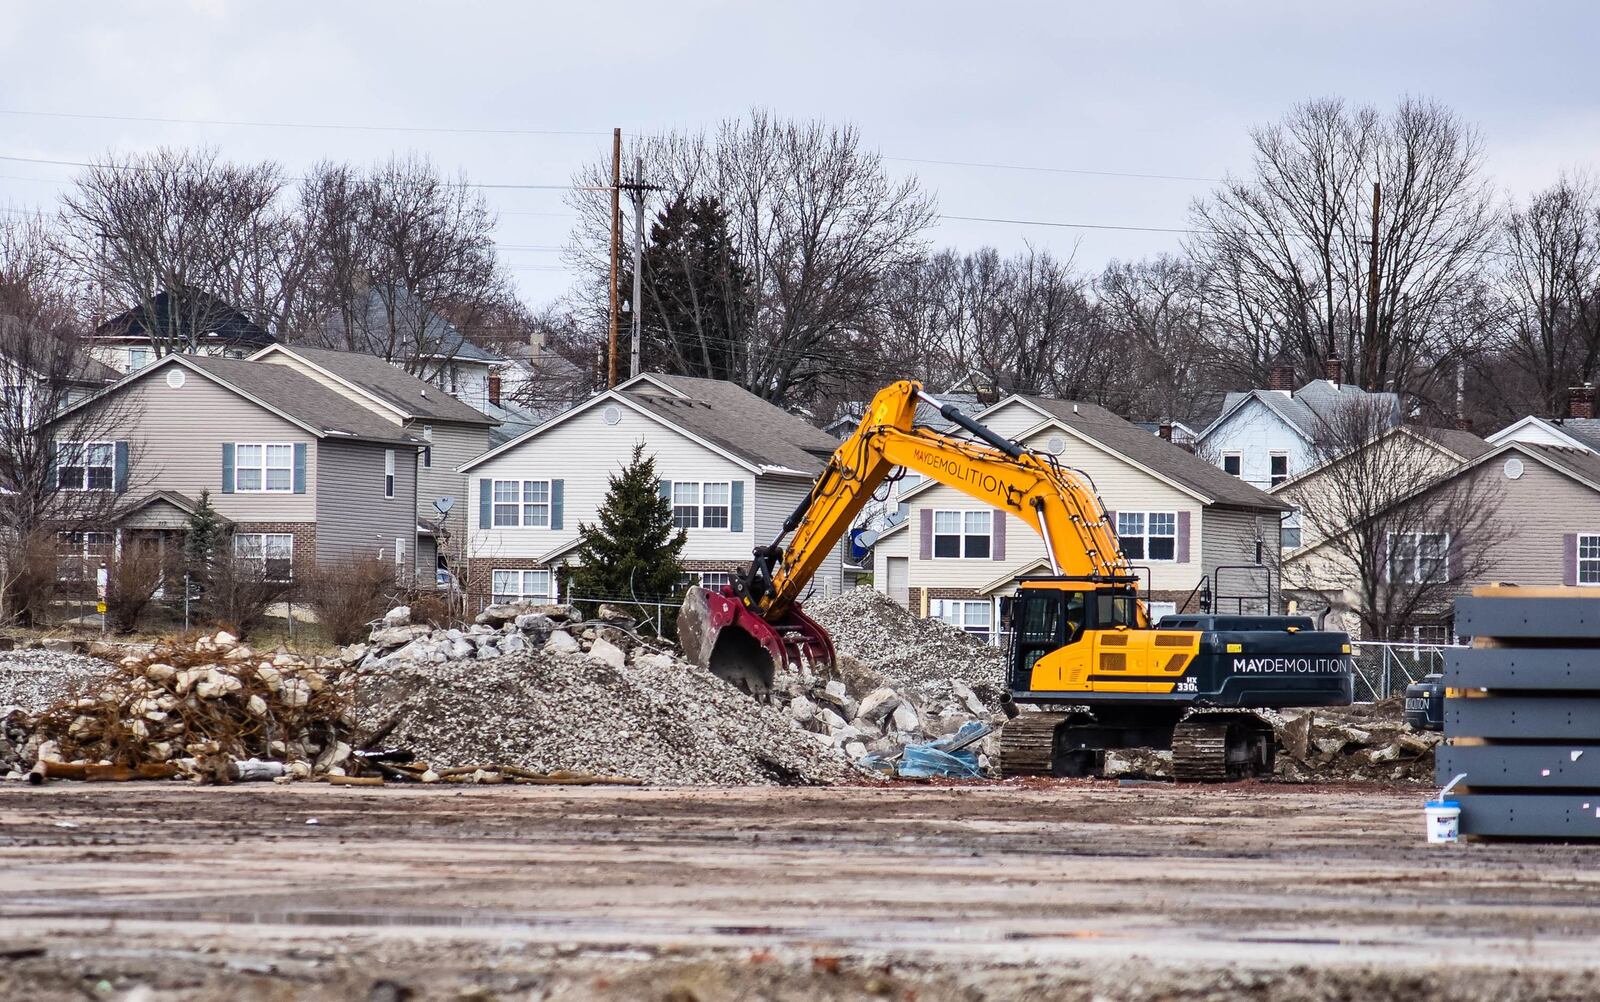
x=962, y=534
x=80, y=554
x=263, y=468
x=427, y=450
x=1232, y=463
x=1151, y=535
x=973, y=617
x=1278, y=470
x=518, y=585
x=1289, y=532
x=1589, y=560
x=522, y=502
x=715, y=580
x=272, y=552
x=697, y=505
x=1419, y=557
x=138, y=358
x=85, y=466
x=388, y=473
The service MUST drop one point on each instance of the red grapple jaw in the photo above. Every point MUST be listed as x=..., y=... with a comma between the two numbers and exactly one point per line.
x=718, y=633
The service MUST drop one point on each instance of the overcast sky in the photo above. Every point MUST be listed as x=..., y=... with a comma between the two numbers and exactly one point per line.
x=1136, y=87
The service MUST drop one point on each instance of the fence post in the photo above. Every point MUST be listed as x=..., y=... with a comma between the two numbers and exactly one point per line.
x=1385, y=674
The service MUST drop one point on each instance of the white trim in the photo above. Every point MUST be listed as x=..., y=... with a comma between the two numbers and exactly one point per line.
x=1505, y=434
x=615, y=397
x=264, y=468
x=653, y=380
x=1036, y=565
x=1146, y=535
x=354, y=387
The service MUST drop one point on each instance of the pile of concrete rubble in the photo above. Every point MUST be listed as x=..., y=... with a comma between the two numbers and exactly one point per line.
x=1366, y=742
x=540, y=688
x=873, y=633
x=197, y=712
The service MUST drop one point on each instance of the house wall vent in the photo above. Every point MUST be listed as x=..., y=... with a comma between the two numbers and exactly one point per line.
x=1513, y=468
x=612, y=415
x=175, y=378
x=1056, y=445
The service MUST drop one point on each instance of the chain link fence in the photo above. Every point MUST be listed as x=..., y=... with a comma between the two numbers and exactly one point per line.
x=1385, y=668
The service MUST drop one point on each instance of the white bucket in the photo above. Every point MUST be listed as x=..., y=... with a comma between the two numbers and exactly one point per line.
x=1444, y=820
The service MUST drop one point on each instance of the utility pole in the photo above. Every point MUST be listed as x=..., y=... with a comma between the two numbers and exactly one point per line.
x=636, y=189
x=616, y=246
x=1369, y=355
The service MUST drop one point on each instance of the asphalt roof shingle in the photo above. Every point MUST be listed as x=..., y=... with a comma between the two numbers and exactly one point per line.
x=391, y=384
x=737, y=420
x=302, y=398
x=1155, y=453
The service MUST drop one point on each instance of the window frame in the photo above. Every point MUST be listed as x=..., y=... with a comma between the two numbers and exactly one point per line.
x=963, y=609
x=1580, y=559
x=964, y=536
x=1274, y=478
x=1413, y=558
x=521, y=503
x=264, y=468
x=83, y=449
x=427, y=450
x=74, y=548
x=1145, y=536
x=699, y=513
x=388, y=473
x=706, y=579
x=265, y=558
x=1238, y=462
x=507, y=596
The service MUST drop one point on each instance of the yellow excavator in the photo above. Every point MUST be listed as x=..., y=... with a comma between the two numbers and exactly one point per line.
x=1083, y=652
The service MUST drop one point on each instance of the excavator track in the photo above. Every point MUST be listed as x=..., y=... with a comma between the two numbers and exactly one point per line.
x=1220, y=746
x=1027, y=744
x=1200, y=753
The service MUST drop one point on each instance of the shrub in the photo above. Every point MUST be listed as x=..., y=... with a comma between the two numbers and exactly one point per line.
x=30, y=581
x=434, y=610
x=132, y=580
x=237, y=592
x=348, y=594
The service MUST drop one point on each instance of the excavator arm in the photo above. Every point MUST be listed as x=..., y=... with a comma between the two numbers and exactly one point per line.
x=756, y=625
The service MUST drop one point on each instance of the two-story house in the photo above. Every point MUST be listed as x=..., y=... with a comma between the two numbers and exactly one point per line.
x=298, y=470
x=1190, y=530
x=733, y=466
x=452, y=434
x=184, y=321
x=394, y=324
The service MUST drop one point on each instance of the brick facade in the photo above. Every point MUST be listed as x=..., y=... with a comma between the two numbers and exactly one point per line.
x=304, y=533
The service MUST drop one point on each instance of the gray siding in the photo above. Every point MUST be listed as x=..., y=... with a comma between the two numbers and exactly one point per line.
x=175, y=437
x=353, y=516
x=1228, y=538
x=776, y=498
x=1535, y=512
x=454, y=445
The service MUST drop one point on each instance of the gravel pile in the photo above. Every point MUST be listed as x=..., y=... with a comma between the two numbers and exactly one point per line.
x=873, y=631
x=34, y=680
x=580, y=696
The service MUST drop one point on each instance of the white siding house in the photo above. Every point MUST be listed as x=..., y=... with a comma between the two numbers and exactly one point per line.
x=733, y=465
x=1184, y=525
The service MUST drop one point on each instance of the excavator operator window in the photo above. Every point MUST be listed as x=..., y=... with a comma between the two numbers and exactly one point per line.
x=1117, y=610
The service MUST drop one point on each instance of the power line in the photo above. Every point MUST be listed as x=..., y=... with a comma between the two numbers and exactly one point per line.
x=142, y=169
x=1059, y=170
x=303, y=125
x=1075, y=226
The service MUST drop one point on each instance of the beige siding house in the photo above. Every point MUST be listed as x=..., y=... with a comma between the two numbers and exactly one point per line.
x=1192, y=531
x=733, y=465
x=298, y=471
x=452, y=434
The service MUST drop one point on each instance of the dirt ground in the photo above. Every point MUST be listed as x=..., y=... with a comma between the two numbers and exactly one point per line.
x=1070, y=890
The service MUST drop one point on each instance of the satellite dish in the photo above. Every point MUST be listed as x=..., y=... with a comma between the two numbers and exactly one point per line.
x=444, y=504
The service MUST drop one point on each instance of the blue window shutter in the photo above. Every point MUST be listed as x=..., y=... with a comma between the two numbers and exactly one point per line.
x=736, y=515
x=299, y=467
x=557, y=500
x=119, y=472
x=227, y=467
x=485, y=504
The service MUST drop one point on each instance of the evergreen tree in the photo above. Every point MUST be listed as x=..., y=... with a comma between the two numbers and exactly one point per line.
x=634, y=550
x=698, y=297
x=205, y=535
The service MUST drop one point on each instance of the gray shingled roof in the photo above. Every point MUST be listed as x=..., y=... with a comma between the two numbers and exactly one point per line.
x=1155, y=453
x=327, y=412
x=1579, y=462
x=1308, y=407
x=415, y=324
x=1585, y=430
x=1459, y=441
x=392, y=384
x=741, y=422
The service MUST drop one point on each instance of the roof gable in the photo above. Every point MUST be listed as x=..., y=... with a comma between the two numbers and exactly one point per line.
x=380, y=382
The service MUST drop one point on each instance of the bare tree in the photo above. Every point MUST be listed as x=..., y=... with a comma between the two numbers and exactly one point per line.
x=815, y=223
x=404, y=261
x=1286, y=251
x=1549, y=290
x=1389, y=520
x=1154, y=312
x=188, y=223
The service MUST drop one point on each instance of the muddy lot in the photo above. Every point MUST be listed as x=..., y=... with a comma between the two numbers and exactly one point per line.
x=1048, y=890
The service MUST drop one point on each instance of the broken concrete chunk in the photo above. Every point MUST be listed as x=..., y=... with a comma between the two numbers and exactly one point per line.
x=878, y=704
x=562, y=642
x=802, y=709
x=905, y=717
x=400, y=615
x=608, y=653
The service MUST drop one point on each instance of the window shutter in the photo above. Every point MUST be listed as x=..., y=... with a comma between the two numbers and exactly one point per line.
x=485, y=504
x=736, y=513
x=119, y=472
x=927, y=534
x=1183, y=537
x=558, y=491
x=1384, y=550
x=52, y=475
x=997, y=545
x=664, y=487
x=299, y=467
x=227, y=467
x=1569, y=558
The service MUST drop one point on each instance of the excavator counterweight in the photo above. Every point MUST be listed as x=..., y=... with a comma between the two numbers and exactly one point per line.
x=1083, y=649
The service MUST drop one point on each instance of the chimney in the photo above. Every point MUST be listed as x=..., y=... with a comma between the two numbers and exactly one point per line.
x=1463, y=424
x=1333, y=369
x=1165, y=430
x=1580, y=401
x=494, y=388
x=1281, y=377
